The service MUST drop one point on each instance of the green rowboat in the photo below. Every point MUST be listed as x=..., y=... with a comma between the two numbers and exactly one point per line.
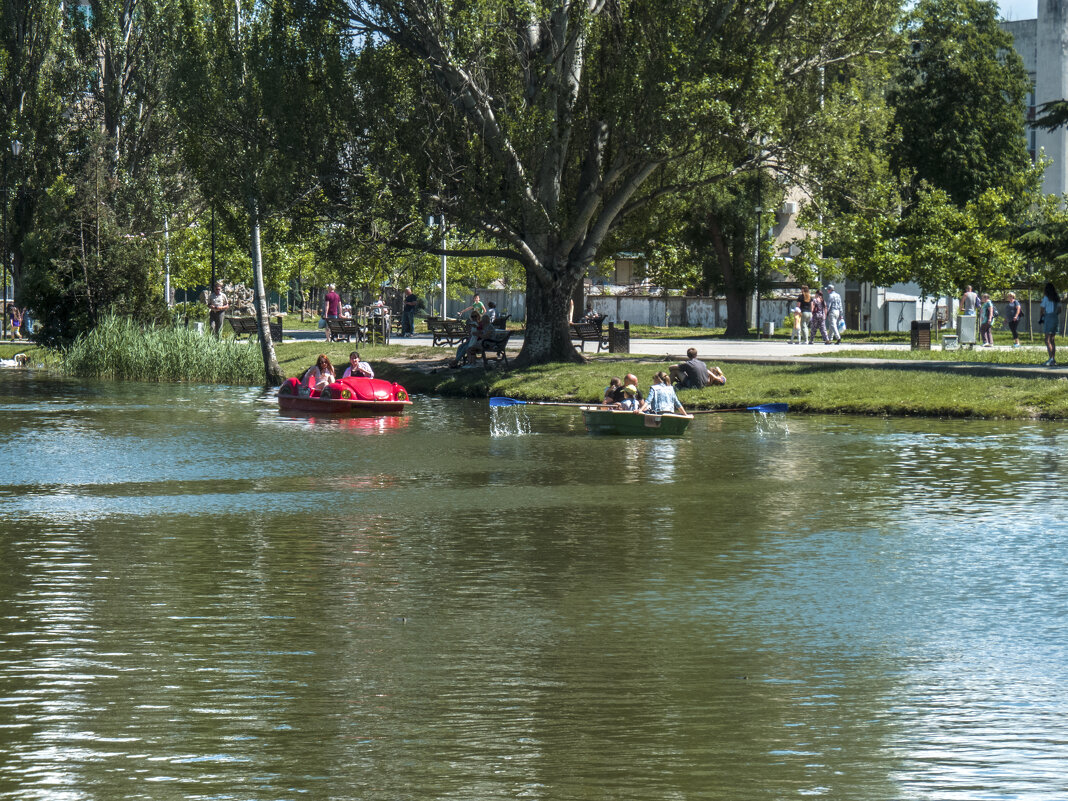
x=633, y=424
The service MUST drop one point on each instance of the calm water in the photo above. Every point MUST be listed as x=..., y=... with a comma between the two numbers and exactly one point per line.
x=201, y=598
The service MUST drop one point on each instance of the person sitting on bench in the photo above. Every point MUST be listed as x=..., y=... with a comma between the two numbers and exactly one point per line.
x=482, y=326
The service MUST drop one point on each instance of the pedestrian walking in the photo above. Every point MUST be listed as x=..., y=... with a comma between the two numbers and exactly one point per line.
x=1014, y=315
x=1051, y=309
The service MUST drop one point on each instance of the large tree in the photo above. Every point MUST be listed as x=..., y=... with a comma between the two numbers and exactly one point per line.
x=960, y=102
x=543, y=124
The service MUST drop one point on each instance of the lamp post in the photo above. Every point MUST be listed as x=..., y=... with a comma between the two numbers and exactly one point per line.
x=16, y=151
x=444, y=267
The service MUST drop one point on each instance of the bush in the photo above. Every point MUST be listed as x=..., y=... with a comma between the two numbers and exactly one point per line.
x=120, y=349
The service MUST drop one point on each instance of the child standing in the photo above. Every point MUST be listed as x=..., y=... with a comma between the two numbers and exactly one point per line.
x=795, y=314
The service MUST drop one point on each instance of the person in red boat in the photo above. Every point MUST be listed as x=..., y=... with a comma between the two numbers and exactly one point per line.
x=358, y=368
x=320, y=375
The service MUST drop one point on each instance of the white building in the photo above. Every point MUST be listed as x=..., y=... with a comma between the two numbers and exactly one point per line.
x=1043, y=45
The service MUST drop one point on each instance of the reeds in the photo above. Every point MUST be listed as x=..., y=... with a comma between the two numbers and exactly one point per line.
x=120, y=349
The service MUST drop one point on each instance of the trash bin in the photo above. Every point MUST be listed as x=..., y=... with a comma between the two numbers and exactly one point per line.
x=619, y=338
x=769, y=328
x=966, y=329
x=921, y=334
x=949, y=342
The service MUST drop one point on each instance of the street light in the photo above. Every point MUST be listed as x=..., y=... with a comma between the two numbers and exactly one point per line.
x=444, y=265
x=16, y=150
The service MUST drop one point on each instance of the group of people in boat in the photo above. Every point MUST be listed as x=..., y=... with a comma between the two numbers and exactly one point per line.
x=662, y=398
x=322, y=374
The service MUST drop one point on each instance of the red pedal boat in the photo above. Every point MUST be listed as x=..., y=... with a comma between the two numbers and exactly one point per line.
x=347, y=396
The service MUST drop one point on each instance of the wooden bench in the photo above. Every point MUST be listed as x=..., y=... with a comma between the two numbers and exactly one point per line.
x=588, y=332
x=501, y=321
x=491, y=348
x=249, y=327
x=448, y=332
x=345, y=328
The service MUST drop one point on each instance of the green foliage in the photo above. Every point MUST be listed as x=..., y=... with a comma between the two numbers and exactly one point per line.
x=960, y=102
x=81, y=263
x=937, y=244
x=120, y=349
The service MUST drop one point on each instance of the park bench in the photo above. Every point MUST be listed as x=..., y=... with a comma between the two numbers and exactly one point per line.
x=249, y=327
x=491, y=348
x=501, y=321
x=449, y=332
x=344, y=329
x=588, y=332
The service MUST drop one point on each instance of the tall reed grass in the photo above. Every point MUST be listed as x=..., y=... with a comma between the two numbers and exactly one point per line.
x=120, y=349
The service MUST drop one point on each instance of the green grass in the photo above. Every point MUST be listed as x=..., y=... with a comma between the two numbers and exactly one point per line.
x=814, y=388
x=830, y=388
x=1024, y=355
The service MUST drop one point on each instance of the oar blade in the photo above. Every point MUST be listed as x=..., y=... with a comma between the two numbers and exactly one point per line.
x=505, y=402
x=769, y=408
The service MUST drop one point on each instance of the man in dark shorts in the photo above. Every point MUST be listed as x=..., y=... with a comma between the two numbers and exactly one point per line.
x=694, y=373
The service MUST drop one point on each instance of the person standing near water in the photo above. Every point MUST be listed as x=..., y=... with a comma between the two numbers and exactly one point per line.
x=804, y=300
x=968, y=302
x=1013, y=315
x=217, y=306
x=1051, y=309
x=986, y=321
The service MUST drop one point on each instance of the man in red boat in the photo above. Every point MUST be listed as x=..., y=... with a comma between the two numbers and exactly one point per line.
x=358, y=368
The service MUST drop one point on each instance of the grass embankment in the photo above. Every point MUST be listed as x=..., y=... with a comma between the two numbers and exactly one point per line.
x=818, y=388
x=815, y=388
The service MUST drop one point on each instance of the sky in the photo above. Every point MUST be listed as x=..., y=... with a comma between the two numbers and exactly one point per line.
x=1018, y=9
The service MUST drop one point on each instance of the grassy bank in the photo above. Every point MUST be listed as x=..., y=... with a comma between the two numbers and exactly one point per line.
x=830, y=388
x=816, y=388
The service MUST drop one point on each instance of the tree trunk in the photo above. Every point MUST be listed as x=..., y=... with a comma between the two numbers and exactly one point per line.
x=273, y=375
x=547, y=337
x=734, y=285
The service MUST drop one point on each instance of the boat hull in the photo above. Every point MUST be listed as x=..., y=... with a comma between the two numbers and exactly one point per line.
x=349, y=396
x=634, y=424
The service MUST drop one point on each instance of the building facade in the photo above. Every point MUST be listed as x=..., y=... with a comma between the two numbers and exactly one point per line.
x=1043, y=45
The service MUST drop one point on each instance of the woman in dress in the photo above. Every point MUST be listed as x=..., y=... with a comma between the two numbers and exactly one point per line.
x=1051, y=309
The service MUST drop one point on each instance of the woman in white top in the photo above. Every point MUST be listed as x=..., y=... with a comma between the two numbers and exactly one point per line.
x=320, y=375
x=358, y=368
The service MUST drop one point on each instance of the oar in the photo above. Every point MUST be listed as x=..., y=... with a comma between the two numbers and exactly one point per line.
x=766, y=408
x=513, y=402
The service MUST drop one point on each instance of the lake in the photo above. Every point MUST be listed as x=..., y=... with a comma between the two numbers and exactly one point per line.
x=203, y=598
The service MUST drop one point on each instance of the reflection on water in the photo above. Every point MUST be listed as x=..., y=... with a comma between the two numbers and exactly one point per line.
x=200, y=597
